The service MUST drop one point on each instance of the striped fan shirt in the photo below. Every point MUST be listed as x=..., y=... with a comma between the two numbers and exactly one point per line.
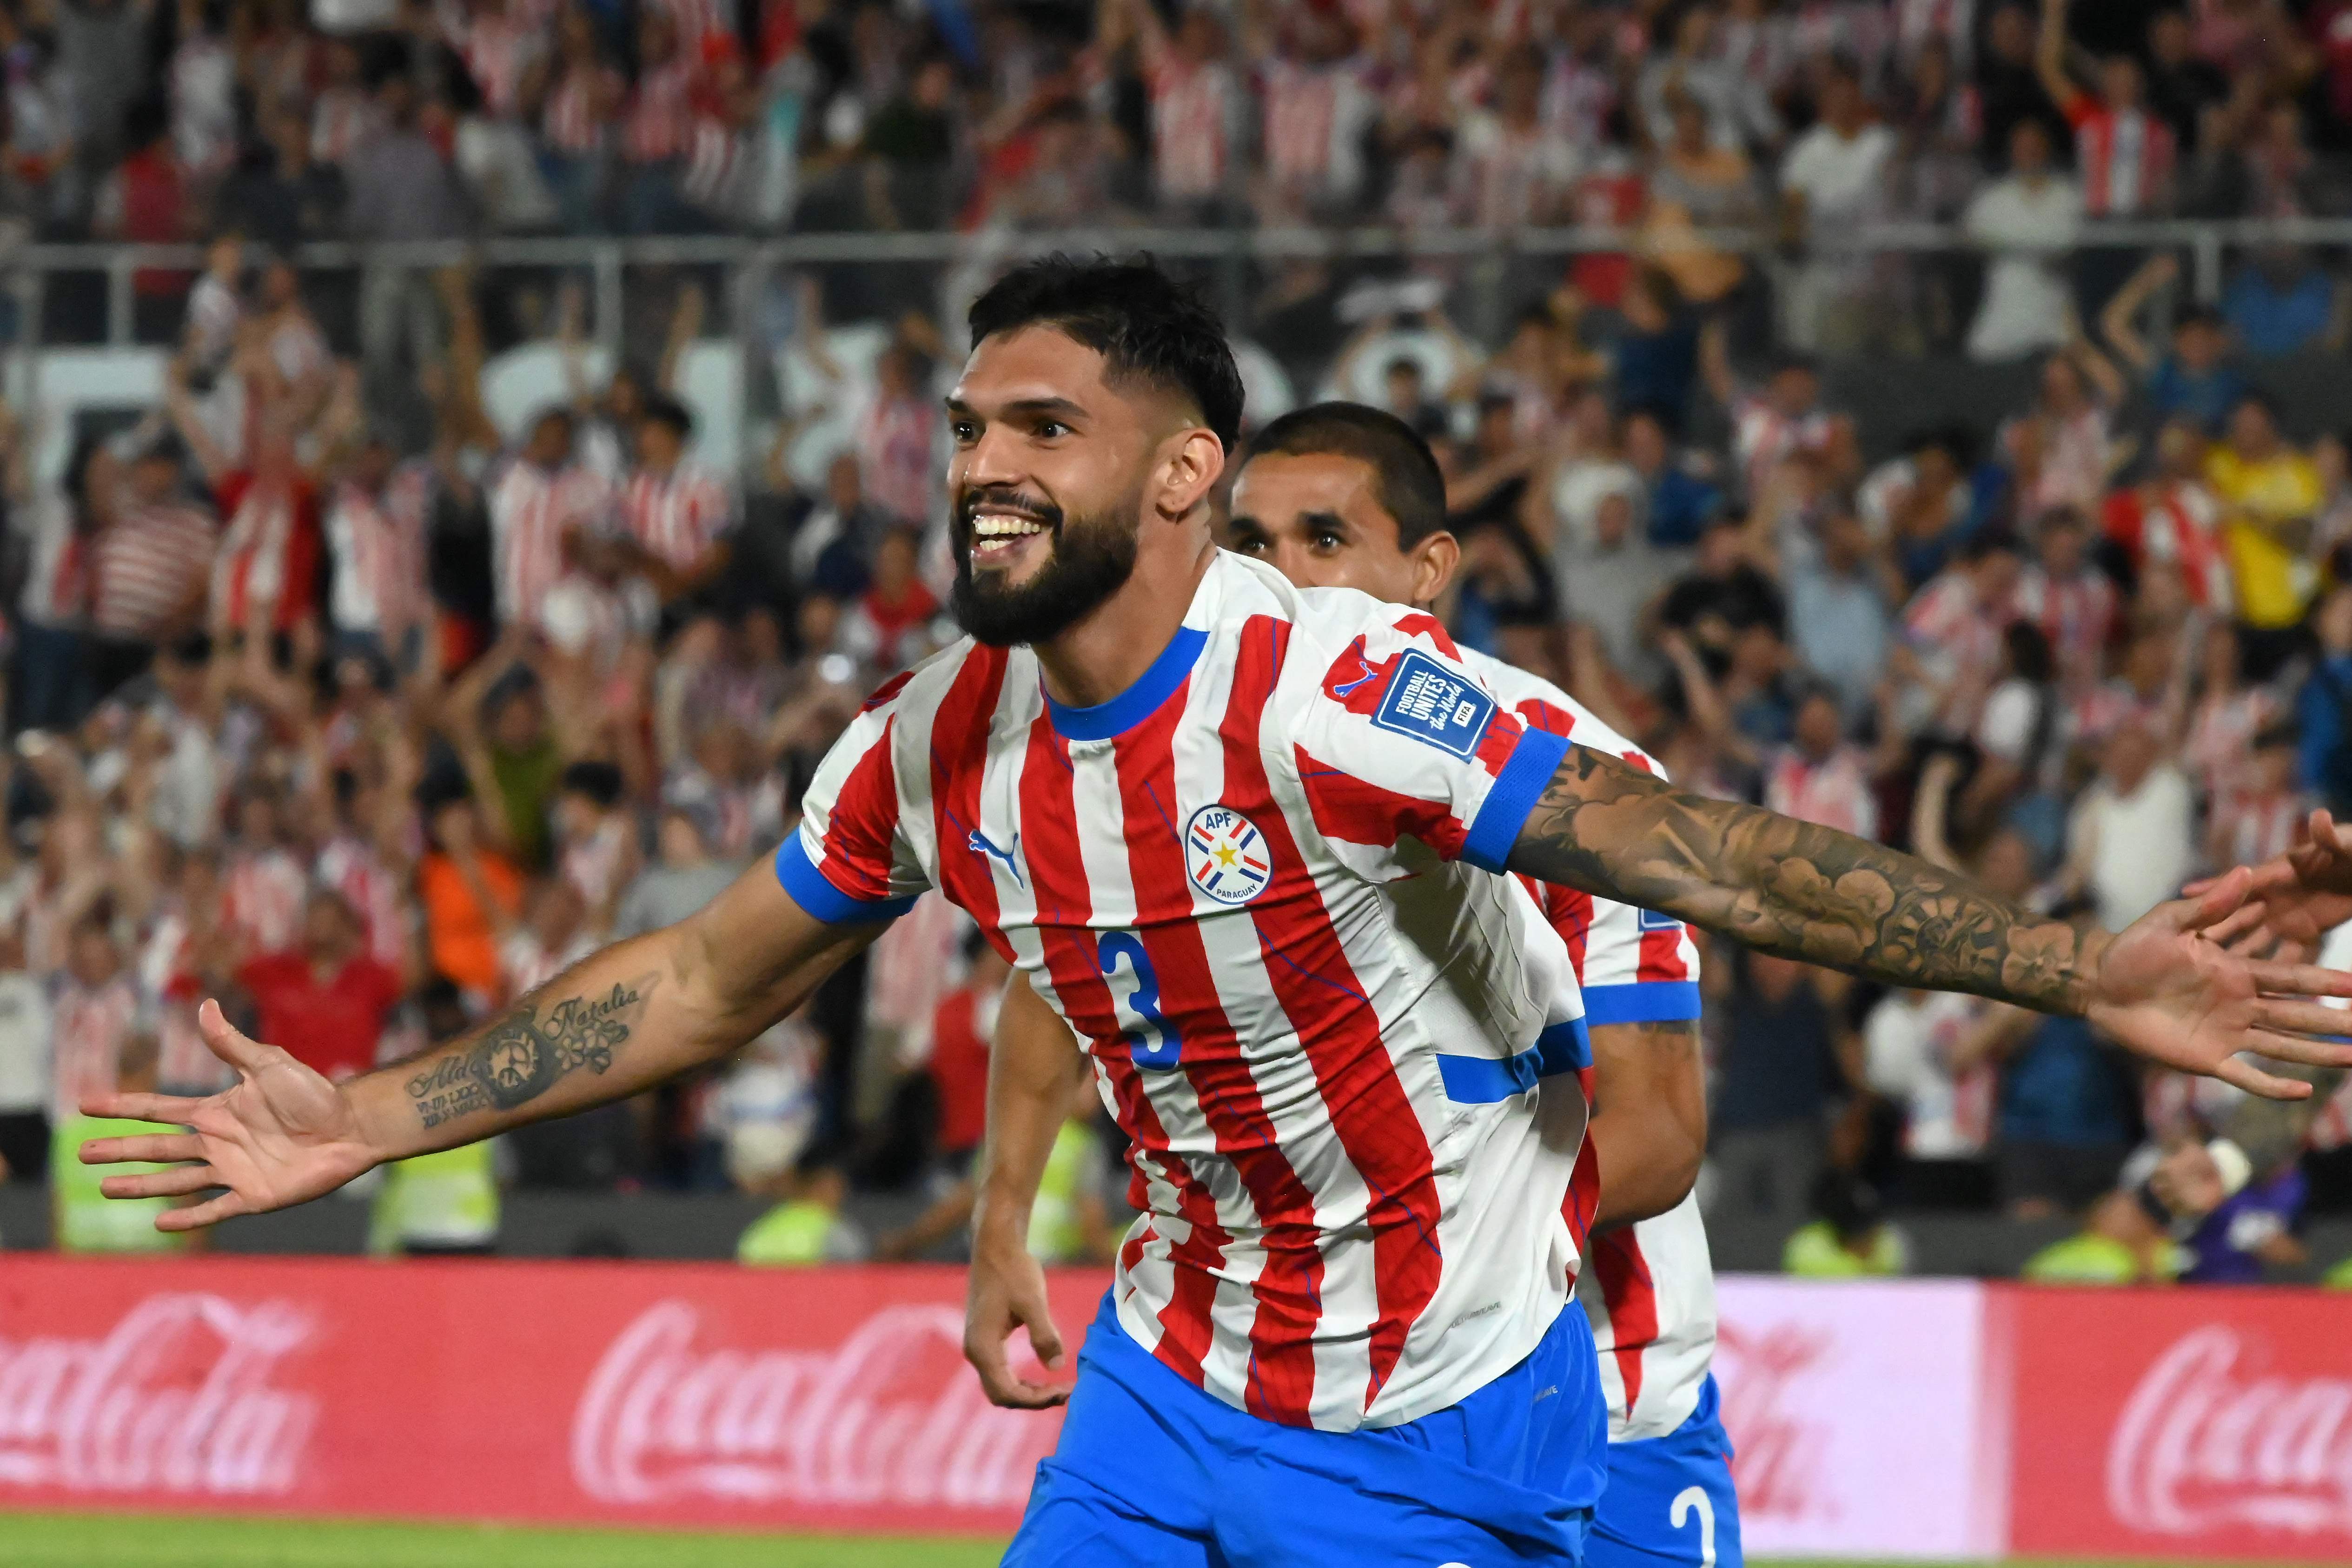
x=679, y=515
x=149, y=571
x=530, y=511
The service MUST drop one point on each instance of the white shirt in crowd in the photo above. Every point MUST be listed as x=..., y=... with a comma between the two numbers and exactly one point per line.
x=2135, y=850
x=1908, y=1043
x=2027, y=304
x=1842, y=178
x=23, y=1044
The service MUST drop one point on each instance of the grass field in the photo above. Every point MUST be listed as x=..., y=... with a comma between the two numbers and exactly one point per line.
x=140, y=1540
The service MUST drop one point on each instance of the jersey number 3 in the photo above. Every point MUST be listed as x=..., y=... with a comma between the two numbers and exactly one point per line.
x=1156, y=1044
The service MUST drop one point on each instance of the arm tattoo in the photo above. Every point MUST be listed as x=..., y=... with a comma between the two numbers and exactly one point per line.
x=1795, y=889
x=520, y=1056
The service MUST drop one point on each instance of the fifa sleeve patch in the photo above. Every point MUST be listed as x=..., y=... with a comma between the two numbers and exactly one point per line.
x=1435, y=705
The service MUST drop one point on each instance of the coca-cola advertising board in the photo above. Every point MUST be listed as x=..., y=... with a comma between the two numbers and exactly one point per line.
x=2212, y=1424
x=682, y=1394
x=1857, y=1414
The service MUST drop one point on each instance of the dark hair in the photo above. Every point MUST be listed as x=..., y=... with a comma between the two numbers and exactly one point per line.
x=1406, y=480
x=599, y=781
x=2195, y=314
x=1147, y=327
x=1990, y=542
x=76, y=484
x=663, y=409
x=2029, y=653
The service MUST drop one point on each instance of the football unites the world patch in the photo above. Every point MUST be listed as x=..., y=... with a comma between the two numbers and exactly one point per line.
x=1435, y=705
x=1225, y=856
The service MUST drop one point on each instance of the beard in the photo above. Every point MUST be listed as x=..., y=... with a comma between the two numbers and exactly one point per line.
x=1091, y=558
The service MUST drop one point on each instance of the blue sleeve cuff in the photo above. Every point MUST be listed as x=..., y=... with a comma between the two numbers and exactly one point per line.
x=1645, y=1001
x=813, y=891
x=1520, y=785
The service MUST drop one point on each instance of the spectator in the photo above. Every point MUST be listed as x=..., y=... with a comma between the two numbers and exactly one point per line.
x=2262, y=819
x=2324, y=708
x=1677, y=503
x=25, y=1063
x=677, y=513
x=1850, y=1240
x=1697, y=183
x=401, y=189
x=2067, y=598
x=1834, y=181
x=1788, y=1056
x=1819, y=776
x=1607, y=581
x=682, y=879
x=807, y=1226
x=1838, y=621
x=598, y=852
x=2129, y=840
x=2060, y=1126
x=2194, y=382
x=2124, y=153
x=326, y=1003
x=545, y=497
x=2283, y=303
x=889, y=627
x=2026, y=218
x=148, y=569
x=470, y=897
x=2269, y=494
x=2171, y=520
x=1654, y=359
x=1925, y=1051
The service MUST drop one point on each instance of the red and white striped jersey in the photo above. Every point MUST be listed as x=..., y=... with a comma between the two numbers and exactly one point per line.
x=375, y=894
x=679, y=515
x=1834, y=792
x=2261, y=825
x=89, y=1026
x=571, y=121
x=530, y=511
x=261, y=895
x=1193, y=104
x=2077, y=613
x=660, y=113
x=1259, y=885
x=2180, y=522
x=497, y=52
x=1763, y=436
x=378, y=545
x=1648, y=1288
x=2124, y=161
x=1315, y=117
x=267, y=563
x=148, y=571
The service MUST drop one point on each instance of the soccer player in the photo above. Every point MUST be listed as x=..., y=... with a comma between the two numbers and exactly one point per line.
x=1342, y=495
x=1244, y=839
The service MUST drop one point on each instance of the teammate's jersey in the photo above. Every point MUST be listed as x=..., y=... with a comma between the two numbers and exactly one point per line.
x=1649, y=1287
x=1260, y=884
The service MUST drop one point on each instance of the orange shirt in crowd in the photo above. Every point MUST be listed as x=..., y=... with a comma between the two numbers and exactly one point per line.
x=459, y=933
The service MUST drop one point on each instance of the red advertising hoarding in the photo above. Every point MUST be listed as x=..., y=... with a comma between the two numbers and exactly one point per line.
x=2212, y=1424
x=589, y=1393
x=1936, y=1419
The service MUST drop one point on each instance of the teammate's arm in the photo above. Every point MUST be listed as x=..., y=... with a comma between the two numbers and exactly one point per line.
x=2166, y=987
x=617, y=1022
x=1030, y=1066
x=1649, y=1117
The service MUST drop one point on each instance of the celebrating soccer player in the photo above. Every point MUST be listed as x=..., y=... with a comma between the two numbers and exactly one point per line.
x=1244, y=839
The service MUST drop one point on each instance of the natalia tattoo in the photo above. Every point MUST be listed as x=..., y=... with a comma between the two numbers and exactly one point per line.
x=1793, y=888
x=522, y=1056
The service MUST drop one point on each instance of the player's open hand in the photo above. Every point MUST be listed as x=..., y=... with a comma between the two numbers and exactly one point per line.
x=2170, y=988
x=281, y=1136
x=1006, y=1289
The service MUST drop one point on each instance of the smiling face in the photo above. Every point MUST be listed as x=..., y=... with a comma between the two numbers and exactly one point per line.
x=1317, y=517
x=1049, y=480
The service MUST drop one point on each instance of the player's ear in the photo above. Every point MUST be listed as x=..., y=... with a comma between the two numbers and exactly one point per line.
x=1433, y=560
x=1189, y=468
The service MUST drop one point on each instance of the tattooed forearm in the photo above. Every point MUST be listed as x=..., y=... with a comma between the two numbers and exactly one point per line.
x=1795, y=889
x=521, y=1055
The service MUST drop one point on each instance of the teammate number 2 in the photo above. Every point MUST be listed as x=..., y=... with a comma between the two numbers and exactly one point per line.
x=1156, y=1044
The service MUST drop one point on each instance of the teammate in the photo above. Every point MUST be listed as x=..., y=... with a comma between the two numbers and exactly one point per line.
x=1340, y=494
x=1244, y=839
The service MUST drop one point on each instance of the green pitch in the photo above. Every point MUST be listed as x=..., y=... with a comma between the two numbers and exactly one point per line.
x=140, y=1541
x=45, y=1540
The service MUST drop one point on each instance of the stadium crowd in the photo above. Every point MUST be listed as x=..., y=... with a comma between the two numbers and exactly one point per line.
x=369, y=725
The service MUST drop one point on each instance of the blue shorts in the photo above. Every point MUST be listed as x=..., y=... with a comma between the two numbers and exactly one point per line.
x=1152, y=1472
x=1670, y=1499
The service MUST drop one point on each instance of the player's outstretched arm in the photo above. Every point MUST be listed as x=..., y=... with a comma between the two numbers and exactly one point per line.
x=2167, y=987
x=619, y=1021
x=1030, y=1069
